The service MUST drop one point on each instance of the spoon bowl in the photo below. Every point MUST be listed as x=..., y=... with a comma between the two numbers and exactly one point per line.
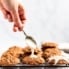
x=30, y=38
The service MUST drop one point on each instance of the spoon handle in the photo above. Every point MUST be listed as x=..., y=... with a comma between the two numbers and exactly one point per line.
x=25, y=33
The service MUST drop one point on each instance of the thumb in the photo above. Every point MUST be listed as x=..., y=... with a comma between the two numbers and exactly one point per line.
x=16, y=19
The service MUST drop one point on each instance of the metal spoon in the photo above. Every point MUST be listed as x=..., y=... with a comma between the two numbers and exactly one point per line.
x=27, y=37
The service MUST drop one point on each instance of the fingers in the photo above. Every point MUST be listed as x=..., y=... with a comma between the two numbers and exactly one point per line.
x=9, y=17
x=3, y=11
x=6, y=14
x=21, y=13
x=15, y=28
x=17, y=22
x=17, y=16
x=21, y=18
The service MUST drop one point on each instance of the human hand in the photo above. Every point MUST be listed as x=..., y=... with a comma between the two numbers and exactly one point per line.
x=14, y=12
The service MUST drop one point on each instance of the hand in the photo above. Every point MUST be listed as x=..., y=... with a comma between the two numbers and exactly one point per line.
x=14, y=12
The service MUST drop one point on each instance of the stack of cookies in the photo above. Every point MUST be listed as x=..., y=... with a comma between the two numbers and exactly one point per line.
x=34, y=57
x=53, y=55
x=49, y=53
x=16, y=55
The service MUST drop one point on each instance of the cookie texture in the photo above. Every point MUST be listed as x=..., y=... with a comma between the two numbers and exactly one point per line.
x=49, y=45
x=34, y=58
x=49, y=53
x=11, y=56
x=53, y=55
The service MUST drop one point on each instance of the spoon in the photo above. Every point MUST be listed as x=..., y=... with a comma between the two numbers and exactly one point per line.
x=30, y=41
x=29, y=38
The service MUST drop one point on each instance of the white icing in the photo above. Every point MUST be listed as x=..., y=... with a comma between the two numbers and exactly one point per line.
x=32, y=54
x=32, y=46
x=30, y=43
x=63, y=56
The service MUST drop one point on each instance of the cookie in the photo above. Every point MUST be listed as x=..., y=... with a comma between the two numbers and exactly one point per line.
x=9, y=60
x=49, y=45
x=51, y=52
x=14, y=51
x=11, y=56
x=38, y=52
x=33, y=60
